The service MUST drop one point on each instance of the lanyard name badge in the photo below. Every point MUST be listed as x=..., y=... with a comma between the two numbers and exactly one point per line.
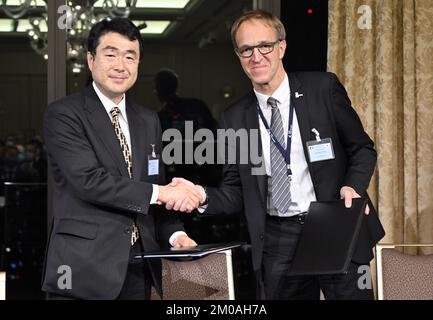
x=153, y=167
x=320, y=149
x=284, y=153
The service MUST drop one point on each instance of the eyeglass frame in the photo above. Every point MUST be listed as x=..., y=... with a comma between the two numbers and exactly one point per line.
x=237, y=50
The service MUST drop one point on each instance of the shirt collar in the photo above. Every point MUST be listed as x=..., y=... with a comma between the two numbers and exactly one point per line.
x=281, y=94
x=108, y=104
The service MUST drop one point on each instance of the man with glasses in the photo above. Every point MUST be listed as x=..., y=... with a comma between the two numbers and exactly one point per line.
x=292, y=110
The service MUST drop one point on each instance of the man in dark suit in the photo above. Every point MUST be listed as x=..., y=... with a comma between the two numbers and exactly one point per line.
x=175, y=113
x=314, y=148
x=176, y=109
x=103, y=153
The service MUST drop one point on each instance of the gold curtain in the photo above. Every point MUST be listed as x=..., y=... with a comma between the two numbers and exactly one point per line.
x=382, y=51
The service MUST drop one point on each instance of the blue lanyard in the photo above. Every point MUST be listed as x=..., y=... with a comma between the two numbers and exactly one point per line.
x=284, y=153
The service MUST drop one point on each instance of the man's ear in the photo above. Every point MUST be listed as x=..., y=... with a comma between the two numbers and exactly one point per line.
x=90, y=59
x=282, y=48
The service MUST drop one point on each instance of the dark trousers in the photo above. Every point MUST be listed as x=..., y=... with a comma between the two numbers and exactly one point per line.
x=137, y=282
x=281, y=237
x=138, y=279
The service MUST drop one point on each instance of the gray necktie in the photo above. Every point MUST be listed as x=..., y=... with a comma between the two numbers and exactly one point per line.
x=280, y=181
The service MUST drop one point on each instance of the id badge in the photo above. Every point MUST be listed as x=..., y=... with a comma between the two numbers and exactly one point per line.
x=153, y=161
x=320, y=150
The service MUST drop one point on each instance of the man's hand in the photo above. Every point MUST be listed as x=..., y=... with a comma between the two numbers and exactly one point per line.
x=183, y=241
x=183, y=197
x=179, y=182
x=348, y=193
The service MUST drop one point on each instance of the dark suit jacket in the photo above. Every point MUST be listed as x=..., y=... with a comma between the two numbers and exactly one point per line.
x=326, y=107
x=94, y=200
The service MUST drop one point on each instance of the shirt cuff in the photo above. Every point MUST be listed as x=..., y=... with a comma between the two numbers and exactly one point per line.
x=155, y=194
x=202, y=208
x=175, y=235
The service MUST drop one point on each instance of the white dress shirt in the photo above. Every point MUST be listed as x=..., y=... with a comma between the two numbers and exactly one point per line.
x=301, y=186
x=123, y=119
x=123, y=122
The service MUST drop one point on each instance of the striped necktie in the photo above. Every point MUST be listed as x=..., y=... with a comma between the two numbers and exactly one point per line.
x=280, y=181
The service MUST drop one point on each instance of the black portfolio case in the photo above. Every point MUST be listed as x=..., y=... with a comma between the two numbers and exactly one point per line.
x=328, y=238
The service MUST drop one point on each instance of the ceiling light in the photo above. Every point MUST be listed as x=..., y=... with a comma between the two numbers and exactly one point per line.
x=6, y=25
x=167, y=4
x=39, y=3
x=24, y=25
x=164, y=4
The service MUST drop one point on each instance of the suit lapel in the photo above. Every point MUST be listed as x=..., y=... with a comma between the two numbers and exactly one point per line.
x=138, y=143
x=101, y=121
x=252, y=122
x=302, y=112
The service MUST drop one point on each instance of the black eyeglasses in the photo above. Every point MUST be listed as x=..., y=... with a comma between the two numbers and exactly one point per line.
x=264, y=48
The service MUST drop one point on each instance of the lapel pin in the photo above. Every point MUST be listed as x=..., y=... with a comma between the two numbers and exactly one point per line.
x=297, y=95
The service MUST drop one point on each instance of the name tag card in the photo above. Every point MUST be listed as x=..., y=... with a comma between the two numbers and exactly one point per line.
x=320, y=150
x=153, y=160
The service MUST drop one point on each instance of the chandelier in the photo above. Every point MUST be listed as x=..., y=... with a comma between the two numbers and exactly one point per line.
x=79, y=17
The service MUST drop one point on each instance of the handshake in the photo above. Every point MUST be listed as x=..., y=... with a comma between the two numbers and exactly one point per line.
x=181, y=195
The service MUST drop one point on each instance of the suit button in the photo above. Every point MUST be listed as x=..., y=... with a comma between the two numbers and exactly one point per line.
x=262, y=236
x=127, y=230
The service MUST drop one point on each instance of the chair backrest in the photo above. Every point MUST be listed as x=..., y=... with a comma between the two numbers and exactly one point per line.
x=2, y=285
x=207, y=278
x=403, y=276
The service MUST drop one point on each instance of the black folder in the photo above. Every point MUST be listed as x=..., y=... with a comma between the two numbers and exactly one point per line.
x=198, y=251
x=328, y=238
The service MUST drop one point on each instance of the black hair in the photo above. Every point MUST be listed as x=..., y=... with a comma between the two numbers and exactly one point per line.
x=166, y=82
x=122, y=26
